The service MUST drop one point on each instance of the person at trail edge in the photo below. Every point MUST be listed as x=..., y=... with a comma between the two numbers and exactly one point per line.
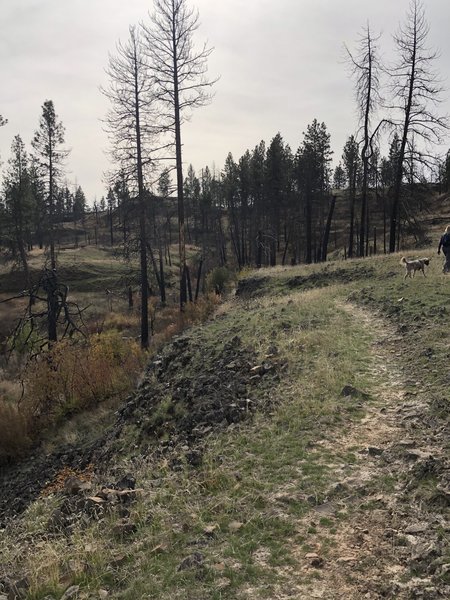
x=444, y=243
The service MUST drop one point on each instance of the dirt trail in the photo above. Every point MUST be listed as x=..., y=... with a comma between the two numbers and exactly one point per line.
x=383, y=541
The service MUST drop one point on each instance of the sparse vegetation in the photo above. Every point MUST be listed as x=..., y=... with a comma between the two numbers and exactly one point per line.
x=249, y=504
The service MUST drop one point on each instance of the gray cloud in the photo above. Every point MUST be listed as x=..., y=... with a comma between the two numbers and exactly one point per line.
x=281, y=65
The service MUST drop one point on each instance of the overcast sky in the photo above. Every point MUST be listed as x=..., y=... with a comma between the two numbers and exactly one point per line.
x=281, y=64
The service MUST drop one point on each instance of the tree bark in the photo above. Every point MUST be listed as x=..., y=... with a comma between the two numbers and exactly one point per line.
x=327, y=229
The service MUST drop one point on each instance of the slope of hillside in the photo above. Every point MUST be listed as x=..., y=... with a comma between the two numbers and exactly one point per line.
x=295, y=446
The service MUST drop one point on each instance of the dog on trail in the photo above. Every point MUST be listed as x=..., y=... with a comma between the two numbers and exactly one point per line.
x=411, y=266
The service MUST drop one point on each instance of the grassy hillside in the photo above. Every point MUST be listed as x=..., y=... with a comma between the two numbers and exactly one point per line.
x=294, y=446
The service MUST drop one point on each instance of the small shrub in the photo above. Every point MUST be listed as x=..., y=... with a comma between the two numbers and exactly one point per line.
x=217, y=279
x=197, y=312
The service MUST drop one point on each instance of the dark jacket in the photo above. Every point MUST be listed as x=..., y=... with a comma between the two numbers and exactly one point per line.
x=444, y=243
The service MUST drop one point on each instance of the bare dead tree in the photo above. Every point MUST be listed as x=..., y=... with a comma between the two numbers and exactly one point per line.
x=133, y=132
x=366, y=68
x=49, y=314
x=326, y=235
x=416, y=91
x=180, y=75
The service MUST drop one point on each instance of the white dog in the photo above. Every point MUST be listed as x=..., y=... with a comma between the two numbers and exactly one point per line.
x=412, y=266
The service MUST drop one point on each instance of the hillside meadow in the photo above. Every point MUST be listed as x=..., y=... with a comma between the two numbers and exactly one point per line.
x=294, y=445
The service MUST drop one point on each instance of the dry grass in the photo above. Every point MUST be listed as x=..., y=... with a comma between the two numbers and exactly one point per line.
x=14, y=438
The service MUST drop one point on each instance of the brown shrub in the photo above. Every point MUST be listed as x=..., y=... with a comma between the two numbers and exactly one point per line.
x=74, y=376
x=197, y=312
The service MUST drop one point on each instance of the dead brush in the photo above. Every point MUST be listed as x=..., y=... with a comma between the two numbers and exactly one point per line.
x=121, y=321
x=75, y=376
x=169, y=321
x=197, y=312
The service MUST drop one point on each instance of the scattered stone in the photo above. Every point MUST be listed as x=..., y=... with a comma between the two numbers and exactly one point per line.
x=103, y=594
x=71, y=592
x=222, y=583
x=127, y=482
x=215, y=399
x=406, y=443
x=235, y=526
x=195, y=560
x=349, y=391
x=194, y=457
x=210, y=530
x=374, y=451
x=327, y=508
x=444, y=570
x=415, y=454
x=346, y=559
x=73, y=485
x=57, y=522
x=337, y=488
x=423, y=555
x=124, y=529
x=389, y=533
x=417, y=528
x=118, y=561
x=95, y=502
x=16, y=589
x=315, y=560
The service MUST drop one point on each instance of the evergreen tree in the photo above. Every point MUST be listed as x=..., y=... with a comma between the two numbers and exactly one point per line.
x=164, y=183
x=230, y=188
x=313, y=177
x=244, y=182
x=192, y=197
x=352, y=165
x=47, y=143
x=257, y=172
x=18, y=203
x=339, y=178
x=277, y=170
x=79, y=204
x=445, y=172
